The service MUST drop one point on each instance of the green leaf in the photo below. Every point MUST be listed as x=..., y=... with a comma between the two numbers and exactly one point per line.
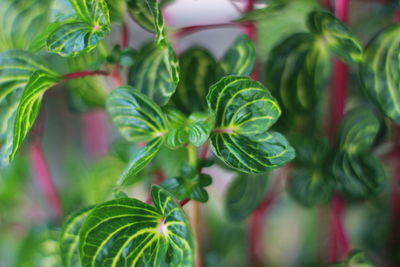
x=297, y=70
x=189, y=184
x=127, y=232
x=360, y=259
x=244, y=110
x=29, y=106
x=199, y=128
x=136, y=116
x=358, y=131
x=240, y=57
x=380, y=71
x=358, y=175
x=69, y=241
x=140, y=160
x=198, y=71
x=83, y=31
x=158, y=21
x=22, y=21
x=244, y=195
x=176, y=137
x=39, y=42
x=336, y=35
x=16, y=68
x=311, y=182
x=156, y=73
x=140, y=12
x=117, y=10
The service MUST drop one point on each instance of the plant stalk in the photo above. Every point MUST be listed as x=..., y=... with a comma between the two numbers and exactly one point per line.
x=338, y=240
x=86, y=73
x=45, y=180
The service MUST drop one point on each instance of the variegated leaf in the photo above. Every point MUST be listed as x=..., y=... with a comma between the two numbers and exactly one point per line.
x=336, y=35
x=69, y=241
x=82, y=31
x=358, y=131
x=139, y=160
x=244, y=110
x=156, y=73
x=21, y=22
x=136, y=116
x=16, y=67
x=198, y=71
x=158, y=21
x=244, y=195
x=140, y=12
x=297, y=70
x=240, y=57
x=29, y=106
x=127, y=232
x=380, y=71
x=358, y=175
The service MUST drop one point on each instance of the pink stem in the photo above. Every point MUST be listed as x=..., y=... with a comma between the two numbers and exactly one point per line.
x=192, y=29
x=81, y=74
x=45, y=180
x=184, y=202
x=124, y=36
x=95, y=133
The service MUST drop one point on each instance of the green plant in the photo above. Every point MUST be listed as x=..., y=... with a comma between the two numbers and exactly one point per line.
x=257, y=114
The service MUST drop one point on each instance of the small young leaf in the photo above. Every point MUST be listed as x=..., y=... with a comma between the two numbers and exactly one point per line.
x=198, y=71
x=244, y=195
x=156, y=73
x=136, y=116
x=69, y=241
x=244, y=110
x=145, y=234
x=29, y=106
x=240, y=58
x=380, y=71
x=140, y=159
x=83, y=31
x=341, y=42
x=199, y=128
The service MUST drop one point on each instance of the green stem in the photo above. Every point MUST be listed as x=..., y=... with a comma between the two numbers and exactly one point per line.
x=192, y=155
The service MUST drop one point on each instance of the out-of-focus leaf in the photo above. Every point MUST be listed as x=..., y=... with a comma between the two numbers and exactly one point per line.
x=244, y=111
x=336, y=35
x=140, y=12
x=244, y=195
x=117, y=9
x=146, y=234
x=198, y=71
x=21, y=22
x=297, y=70
x=82, y=31
x=156, y=73
x=240, y=58
x=69, y=241
x=380, y=71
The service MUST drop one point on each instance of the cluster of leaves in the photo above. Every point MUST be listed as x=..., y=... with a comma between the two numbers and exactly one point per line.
x=191, y=101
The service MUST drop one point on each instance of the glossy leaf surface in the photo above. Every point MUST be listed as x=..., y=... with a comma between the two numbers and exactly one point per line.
x=69, y=241
x=82, y=31
x=244, y=195
x=336, y=35
x=380, y=71
x=135, y=115
x=127, y=232
x=156, y=73
x=16, y=69
x=244, y=111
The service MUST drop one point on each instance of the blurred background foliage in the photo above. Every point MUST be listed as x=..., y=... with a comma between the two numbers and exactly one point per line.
x=28, y=231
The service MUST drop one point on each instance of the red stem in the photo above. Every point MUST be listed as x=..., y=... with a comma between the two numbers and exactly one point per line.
x=192, y=29
x=396, y=17
x=45, y=180
x=84, y=73
x=124, y=36
x=159, y=177
x=338, y=240
x=184, y=202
